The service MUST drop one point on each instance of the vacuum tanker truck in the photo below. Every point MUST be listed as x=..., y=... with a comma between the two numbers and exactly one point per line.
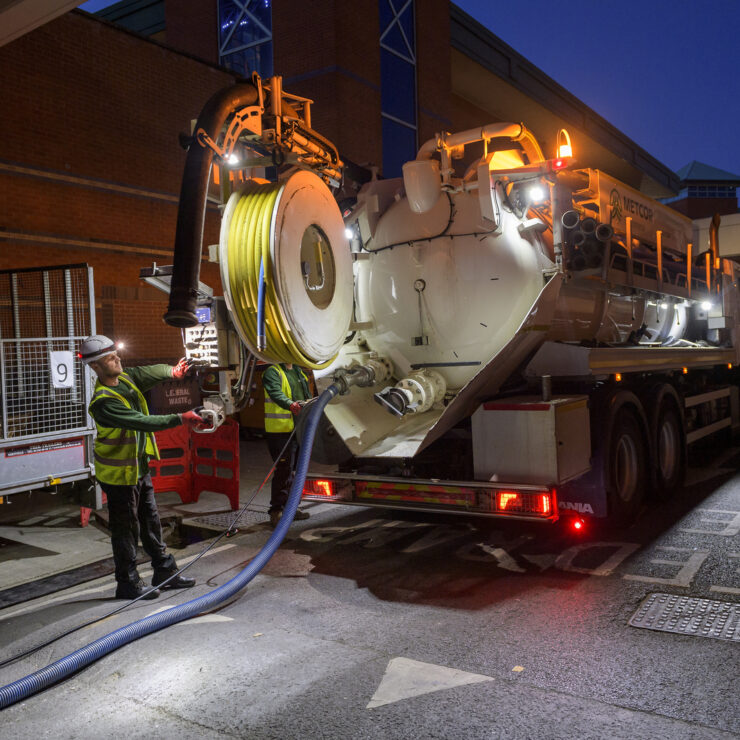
x=515, y=335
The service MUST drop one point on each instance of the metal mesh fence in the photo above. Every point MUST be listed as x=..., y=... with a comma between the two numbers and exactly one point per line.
x=32, y=405
x=43, y=311
x=45, y=303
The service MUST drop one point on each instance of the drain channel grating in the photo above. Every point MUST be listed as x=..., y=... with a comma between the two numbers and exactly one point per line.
x=689, y=616
x=224, y=521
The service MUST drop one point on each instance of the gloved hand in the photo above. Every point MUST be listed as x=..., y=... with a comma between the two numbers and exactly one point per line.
x=296, y=407
x=183, y=368
x=191, y=419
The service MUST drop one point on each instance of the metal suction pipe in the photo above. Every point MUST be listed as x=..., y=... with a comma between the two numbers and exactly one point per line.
x=577, y=238
x=604, y=232
x=588, y=225
x=570, y=219
x=517, y=132
x=191, y=212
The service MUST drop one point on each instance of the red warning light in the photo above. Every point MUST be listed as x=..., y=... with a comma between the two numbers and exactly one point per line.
x=505, y=498
x=578, y=524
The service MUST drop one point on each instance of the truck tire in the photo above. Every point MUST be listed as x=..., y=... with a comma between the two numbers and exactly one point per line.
x=625, y=461
x=663, y=405
x=670, y=450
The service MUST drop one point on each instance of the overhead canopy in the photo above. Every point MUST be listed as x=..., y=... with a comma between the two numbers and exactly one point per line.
x=492, y=76
x=22, y=16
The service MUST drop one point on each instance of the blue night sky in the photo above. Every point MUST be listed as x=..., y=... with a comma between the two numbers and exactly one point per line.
x=665, y=72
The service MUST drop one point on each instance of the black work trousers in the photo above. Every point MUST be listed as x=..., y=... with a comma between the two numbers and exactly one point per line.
x=132, y=511
x=282, y=479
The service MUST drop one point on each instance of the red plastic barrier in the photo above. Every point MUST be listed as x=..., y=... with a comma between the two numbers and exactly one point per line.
x=86, y=512
x=216, y=462
x=192, y=462
x=172, y=471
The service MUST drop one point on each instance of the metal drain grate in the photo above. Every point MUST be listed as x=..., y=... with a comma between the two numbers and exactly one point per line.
x=689, y=616
x=223, y=521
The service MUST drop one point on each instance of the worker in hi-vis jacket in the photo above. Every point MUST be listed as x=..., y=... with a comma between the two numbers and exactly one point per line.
x=124, y=443
x=286, y=390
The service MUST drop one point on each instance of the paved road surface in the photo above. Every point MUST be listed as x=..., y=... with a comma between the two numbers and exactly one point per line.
x=371, y=624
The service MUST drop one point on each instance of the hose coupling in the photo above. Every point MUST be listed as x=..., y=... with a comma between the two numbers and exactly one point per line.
x=375, y=370
x=213, y=416
x=415, y=394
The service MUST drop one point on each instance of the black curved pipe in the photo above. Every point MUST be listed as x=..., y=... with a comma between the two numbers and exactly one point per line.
x=191, y=212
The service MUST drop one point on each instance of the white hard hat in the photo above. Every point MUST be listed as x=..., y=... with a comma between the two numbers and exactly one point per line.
x=95, y=347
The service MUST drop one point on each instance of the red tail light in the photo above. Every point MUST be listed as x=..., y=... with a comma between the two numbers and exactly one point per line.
x=507, y=500
x=320, y=488
x=525, y=502
x=545, y=505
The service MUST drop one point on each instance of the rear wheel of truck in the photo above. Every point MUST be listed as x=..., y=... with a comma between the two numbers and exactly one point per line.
x=667, y=441
x=625, y=467
x=669, y=450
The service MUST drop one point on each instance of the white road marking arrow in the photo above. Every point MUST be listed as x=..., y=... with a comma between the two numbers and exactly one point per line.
x=406, y=678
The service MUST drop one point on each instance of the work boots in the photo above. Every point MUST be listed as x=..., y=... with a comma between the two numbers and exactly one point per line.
x=130, y=590
x=176, y=582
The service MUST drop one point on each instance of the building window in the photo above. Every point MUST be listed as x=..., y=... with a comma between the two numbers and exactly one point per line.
x=712, y=191
x=398, y=84
x=245, y=36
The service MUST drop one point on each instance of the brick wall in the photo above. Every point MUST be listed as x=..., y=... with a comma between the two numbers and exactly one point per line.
x=434, y=81
x=90, y=165
x=705, y=207
x=331, y=55
x=192, y=27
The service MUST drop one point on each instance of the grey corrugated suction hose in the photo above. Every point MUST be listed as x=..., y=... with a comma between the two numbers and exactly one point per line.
x=65, y=667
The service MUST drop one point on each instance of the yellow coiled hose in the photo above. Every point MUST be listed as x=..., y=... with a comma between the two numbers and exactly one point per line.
x=249, y=245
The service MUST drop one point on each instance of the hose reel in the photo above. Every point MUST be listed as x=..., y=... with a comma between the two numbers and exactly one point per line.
x=286, y=270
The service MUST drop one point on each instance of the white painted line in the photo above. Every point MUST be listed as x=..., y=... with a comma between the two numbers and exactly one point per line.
x=56, y=521
x=732, y=525
x=728, y=589
x=30, y=522
x=687, y=568
x=503, y=559
x=202, y=619
x=405, y=678
x=622, y=550
x=107, y=586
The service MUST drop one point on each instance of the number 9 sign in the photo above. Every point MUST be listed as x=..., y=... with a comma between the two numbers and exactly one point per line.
x=62, y=370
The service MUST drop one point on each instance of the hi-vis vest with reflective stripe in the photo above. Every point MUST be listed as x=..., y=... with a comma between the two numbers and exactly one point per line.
x=116, y=453
x=278, y=419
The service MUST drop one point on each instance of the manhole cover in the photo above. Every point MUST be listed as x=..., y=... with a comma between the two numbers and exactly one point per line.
x=223, y=521
x=689, y=616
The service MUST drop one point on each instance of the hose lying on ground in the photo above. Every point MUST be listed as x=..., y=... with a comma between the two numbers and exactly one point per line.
x=65, y=667
x=226, y=533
